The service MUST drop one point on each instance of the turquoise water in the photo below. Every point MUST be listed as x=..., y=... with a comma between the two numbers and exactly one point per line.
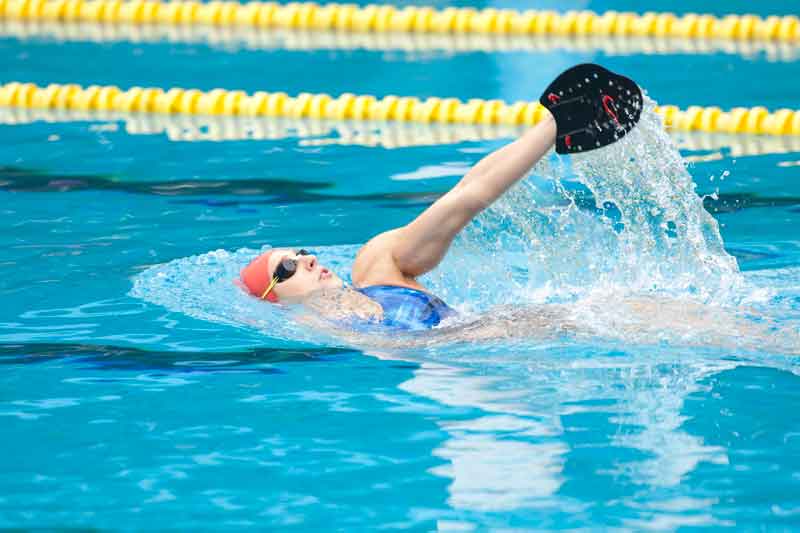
x=638, y=379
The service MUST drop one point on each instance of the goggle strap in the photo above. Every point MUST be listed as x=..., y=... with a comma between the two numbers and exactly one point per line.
x=271, y=286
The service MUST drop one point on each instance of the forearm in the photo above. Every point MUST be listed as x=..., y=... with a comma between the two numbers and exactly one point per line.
x=498, y=171
x=425, y=240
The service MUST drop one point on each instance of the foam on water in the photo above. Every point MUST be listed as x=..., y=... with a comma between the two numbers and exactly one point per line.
x=613, y=243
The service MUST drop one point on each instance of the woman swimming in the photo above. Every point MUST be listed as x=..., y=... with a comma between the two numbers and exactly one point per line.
x=589, y=107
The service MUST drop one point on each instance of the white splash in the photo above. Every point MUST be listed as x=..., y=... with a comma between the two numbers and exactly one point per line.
x=622, y=219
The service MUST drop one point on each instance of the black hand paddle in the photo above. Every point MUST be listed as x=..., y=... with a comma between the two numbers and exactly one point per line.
x=593, y=107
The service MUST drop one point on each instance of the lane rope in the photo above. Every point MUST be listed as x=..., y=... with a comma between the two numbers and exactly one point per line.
x=233, y=38
x=419, y=19
x=348, y=106
x=314, y=132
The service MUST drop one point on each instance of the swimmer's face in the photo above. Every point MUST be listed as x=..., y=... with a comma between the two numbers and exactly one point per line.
x=310, y=275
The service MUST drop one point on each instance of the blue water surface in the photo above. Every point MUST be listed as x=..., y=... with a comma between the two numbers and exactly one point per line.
x=120, y=414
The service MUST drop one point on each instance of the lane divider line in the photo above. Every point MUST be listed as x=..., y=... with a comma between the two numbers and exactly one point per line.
x=418, y=19
x=234, y=38
x=349, y=106
x=389, y=135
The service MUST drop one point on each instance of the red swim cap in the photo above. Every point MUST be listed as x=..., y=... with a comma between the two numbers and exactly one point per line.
x=256, y=278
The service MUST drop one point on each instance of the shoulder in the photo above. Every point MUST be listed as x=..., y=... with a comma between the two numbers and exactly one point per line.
x=375, y=260
x=375, y=263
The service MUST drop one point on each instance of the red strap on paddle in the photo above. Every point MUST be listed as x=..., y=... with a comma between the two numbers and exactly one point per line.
x=606, y=101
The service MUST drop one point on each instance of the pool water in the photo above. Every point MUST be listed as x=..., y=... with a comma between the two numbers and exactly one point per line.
x=141, y=390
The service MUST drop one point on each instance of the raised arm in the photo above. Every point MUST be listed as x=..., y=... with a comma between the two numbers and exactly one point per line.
x=421, y=245
x=593, y=107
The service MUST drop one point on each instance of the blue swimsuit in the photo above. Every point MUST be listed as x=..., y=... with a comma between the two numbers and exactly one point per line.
x=408, y=309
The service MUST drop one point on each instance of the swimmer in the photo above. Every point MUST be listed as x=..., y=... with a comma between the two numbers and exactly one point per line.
x=589, y=107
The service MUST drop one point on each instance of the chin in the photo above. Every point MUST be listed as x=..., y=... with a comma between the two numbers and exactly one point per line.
x=334, y=282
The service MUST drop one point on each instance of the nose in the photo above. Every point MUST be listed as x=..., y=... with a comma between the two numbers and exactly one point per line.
x=310, y=261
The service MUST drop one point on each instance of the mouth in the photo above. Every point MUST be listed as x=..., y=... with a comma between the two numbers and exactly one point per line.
x=324, y=274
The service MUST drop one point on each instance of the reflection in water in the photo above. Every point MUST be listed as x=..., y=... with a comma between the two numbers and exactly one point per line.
x=533, y=415
x=654, y=399
x=496, y=460
x=108, y=357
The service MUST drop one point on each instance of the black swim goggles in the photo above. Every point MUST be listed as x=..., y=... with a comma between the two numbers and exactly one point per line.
x=285, y=270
